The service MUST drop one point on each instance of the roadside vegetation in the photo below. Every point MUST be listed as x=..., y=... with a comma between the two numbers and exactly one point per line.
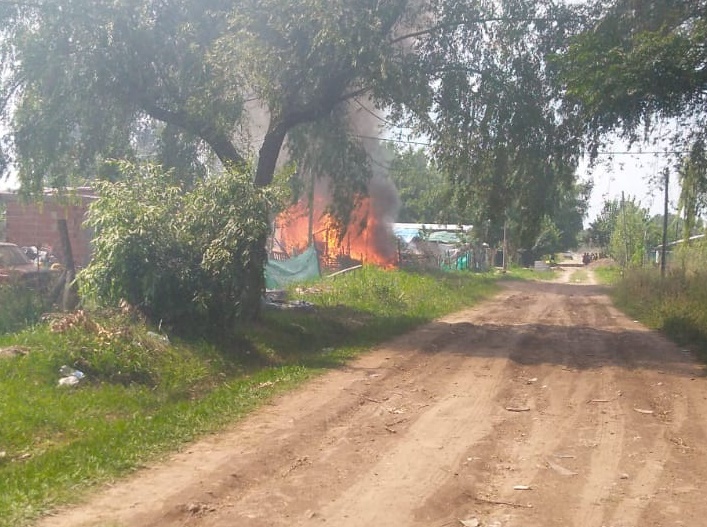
x=19, y=307
x=607, y=275
x=675, y=304
x=145, y=392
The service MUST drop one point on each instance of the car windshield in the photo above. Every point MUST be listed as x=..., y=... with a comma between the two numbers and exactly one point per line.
x=11, y=255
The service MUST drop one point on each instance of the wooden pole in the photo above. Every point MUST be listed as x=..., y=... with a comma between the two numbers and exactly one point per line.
x=70, y=298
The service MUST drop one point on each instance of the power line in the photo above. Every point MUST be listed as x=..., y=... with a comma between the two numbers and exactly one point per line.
x=389, y=140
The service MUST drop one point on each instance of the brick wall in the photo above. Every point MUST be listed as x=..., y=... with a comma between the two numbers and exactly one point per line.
x=36, y=224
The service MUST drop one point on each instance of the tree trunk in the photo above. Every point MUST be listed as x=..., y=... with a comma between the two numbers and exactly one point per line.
x=269, y=152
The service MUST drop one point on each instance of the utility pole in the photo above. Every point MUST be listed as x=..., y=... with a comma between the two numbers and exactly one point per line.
x=664, y=248
x=505, y=245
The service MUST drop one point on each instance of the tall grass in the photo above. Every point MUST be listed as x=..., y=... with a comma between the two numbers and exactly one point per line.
x=19, y=307
x=142, y=396
x=608, y=275
x=676, y=304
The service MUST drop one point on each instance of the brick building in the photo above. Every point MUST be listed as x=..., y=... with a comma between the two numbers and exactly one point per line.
x=34, y=223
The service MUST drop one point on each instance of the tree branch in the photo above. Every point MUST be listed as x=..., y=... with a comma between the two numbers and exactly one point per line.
x=219, y=141
x=318, y=107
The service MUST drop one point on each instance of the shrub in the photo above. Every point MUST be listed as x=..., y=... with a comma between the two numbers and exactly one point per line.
x=19, y=307
x=193, y=259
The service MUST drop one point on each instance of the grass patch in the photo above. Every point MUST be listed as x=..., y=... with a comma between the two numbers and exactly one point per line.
x=142, y=397
x=607, y=275
x=525, y=273
x=579, y=277
x=676, y=305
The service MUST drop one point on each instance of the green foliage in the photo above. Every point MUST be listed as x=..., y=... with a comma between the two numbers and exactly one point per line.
x=689, y=257
x=608, y=275
x=549, y=239
x=693, y=187
x=19, y=307
x=167, y=81
x=631, y=67
x=76, y=97
x=423, y=190
x=193, y=259
x=569, y=214
x=60, y=442
x=628, y=245
x=599, y=232
x=676, y=305
x=508, y=154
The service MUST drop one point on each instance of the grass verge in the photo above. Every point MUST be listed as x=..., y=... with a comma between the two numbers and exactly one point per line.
x=142, y=397
x=607, y=275
x=676, y=305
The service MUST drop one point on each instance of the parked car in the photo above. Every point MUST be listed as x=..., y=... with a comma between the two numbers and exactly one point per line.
x=16, y=267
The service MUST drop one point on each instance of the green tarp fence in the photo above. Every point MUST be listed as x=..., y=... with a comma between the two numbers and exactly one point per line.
x=459, y=263
x=298, y=269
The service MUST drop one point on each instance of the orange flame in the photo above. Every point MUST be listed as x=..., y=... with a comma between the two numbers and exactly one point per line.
x=366, y=240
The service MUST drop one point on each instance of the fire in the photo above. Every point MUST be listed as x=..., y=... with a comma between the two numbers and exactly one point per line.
x=367, y=239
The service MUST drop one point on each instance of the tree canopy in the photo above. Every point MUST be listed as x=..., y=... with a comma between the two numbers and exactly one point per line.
x=87, y=81
x=86, y=76
x=498, y=132
x=423, y=189
x=637, y=65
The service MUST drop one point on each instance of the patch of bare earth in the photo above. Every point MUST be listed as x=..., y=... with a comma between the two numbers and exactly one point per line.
x=545, y=388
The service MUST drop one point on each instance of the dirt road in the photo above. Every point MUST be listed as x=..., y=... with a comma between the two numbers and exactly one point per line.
x=547, y=387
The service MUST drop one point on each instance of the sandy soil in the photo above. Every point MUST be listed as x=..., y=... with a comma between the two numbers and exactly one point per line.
x=547, y=387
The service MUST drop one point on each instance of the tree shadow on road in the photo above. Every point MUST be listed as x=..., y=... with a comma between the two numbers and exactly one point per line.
x=572, y=347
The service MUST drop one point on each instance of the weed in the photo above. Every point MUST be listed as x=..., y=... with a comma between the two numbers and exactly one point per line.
x=19, y=307
x=676, y=304
x=608, y=275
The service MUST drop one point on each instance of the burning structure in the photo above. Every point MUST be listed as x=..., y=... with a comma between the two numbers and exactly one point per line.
x=368, y=236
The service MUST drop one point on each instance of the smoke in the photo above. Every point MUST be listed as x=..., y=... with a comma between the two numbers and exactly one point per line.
x=367, y=124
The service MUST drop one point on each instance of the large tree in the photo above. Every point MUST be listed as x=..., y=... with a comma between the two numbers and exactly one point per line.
x=86, y=80
x=497, y=129
x=85, y=77
x=638, y=65
x=693, y=188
